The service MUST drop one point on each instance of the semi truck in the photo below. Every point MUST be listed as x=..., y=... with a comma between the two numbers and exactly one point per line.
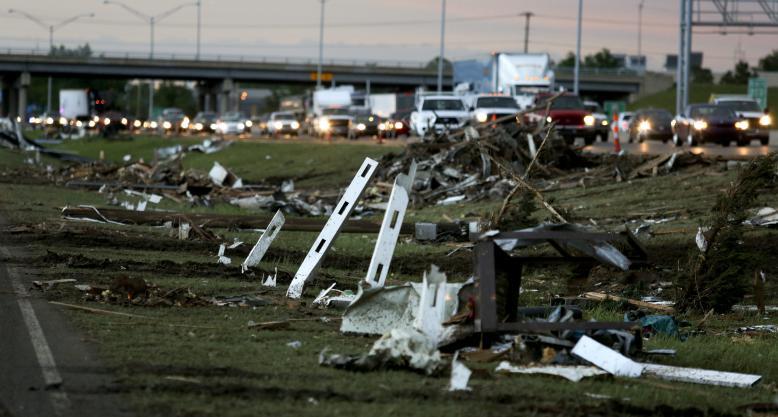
x=521, y=76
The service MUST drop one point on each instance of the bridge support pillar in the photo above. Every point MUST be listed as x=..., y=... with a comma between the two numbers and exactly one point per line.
x=206, y=96
x=226, y=93
x=21, y=86
x=8, y=96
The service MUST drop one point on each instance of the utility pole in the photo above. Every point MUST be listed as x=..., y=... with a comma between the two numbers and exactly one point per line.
x=321, y=46
x=577, y=70
x=199, y=27
x=442, y=44
x=51, y=29
x=527, y=16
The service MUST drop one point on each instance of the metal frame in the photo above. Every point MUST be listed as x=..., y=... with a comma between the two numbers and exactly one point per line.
x=498, y=281
x=263, y=244
x=390, y=228
x=331, y=229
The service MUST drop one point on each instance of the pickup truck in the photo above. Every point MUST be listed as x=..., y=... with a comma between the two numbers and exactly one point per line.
x=569, y=115
x=758, y=122
x=437, y=114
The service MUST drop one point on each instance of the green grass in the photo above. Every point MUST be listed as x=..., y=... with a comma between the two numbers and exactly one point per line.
x=327, y=165
x=204, y=360
x=700, y=93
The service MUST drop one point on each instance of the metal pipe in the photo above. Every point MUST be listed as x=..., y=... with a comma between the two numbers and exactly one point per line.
x=578, y=50
x=442, y=44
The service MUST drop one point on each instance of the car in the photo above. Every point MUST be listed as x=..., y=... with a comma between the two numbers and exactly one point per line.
x=334, y=121
x=172, y=120
x=601, y=122
x=283, y=123
x=651, y=124
x=709, y=123
x=488, y=108
x=759, y=121
x=622, y=122
x=438, y=113
x=569, y=115
x=365, y=125
x=397, y=125
x=233, y=123
x=204, y=122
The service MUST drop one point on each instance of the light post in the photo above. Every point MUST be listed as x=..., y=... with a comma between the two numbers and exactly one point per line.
x=442, y=44
x=640, y=28
x=51, y=29
x=527, y=16
x=153, y=19
x=321, y=46
x=577, y=70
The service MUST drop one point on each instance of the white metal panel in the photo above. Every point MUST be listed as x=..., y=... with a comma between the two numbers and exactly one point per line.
x=390, y=228
x=332, y=228
x=606, y=358
x=258, y=251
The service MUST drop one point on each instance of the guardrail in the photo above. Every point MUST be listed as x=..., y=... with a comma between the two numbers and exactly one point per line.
x=219, y=58
x=598, y=71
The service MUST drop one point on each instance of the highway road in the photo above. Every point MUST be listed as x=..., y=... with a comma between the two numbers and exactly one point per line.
x=658, y=148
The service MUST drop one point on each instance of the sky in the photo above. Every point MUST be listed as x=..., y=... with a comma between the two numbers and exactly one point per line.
x=372, y=30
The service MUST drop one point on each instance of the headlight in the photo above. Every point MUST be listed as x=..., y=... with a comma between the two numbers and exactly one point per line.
x=278, y=125
x=166, y=125
x=154, y=125
x=548, y=119
x=324, y=124
x=381, y=126
x=222, y=126
x=96, y=119
x=249, y=123
x=589, y=120
x=765, y=120
x=31, y=120
x=672, y=123
x=63, y=121
x=370, y=118
x=136, y=123
x=49, y=120
x=644, y=126
x=241, y=126
x=106, y=121
x=185, y=123
x=124, y=121
x=398, y=125
x=700, y=125
x=198, y=126
x=742, y=124
x=361, y=126
x=79, y=123
x=604, y=123
x=213, y=126
x=481, y=117
x=295, y=125
x=91, y=123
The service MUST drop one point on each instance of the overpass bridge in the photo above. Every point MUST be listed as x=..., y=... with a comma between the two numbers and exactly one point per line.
x=216, y=78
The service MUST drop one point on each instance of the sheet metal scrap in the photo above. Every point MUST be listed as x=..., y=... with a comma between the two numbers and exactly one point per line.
x=390, y=229
x=331, y=229
x=264, y=242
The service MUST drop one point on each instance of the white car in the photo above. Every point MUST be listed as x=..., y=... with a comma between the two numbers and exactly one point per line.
x=233, y=123
x=437, y=114
x=759, y=121
x=601, y=122
x=487, y=108
x=281, y=123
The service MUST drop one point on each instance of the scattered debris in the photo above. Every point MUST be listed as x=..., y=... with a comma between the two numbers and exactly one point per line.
x=221, y=258
x=47, y=285
x=460, y=375
x=222, y=177
x=264, y=242
x=571, y=373
x=598, y=296
x=296, y=344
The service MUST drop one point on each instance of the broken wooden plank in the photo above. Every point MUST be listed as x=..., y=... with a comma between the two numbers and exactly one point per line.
x=599, y=296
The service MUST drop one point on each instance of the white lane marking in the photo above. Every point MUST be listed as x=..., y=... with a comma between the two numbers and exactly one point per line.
x=51, y=375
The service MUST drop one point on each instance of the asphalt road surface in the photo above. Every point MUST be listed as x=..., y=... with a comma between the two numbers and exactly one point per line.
x=655, y=147
x=46, y=368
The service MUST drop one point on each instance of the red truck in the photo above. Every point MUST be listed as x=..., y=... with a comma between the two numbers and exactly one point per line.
x=569, y=115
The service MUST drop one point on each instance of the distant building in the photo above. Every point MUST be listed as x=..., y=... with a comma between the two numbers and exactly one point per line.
x=635, y=63
x=671, y=61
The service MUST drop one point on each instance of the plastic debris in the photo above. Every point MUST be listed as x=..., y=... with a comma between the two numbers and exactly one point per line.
x=571, y=373
x=460, y=375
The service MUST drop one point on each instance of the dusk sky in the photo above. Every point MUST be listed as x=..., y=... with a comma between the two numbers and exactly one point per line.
x=392, y=30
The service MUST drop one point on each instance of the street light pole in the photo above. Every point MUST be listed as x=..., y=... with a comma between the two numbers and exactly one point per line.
x=321, y=46
x=51, y=29
x=527, y=16
x=577, y=71
x=640, y=28
x=199, y=27
x=152, y=21
x=442, y=44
